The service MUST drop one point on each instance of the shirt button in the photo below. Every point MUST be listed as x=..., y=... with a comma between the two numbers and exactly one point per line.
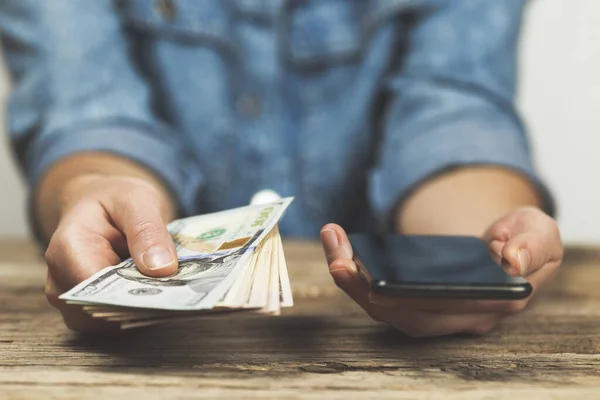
x=265, y=196
x=249, y=105
x=166, y=9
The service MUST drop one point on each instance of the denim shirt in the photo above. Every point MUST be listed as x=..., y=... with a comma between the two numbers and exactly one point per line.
x=346, y=105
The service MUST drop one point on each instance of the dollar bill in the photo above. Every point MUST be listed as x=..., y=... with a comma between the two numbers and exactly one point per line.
x=217, y=253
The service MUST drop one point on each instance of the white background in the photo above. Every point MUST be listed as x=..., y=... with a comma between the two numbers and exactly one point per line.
x=559, y=96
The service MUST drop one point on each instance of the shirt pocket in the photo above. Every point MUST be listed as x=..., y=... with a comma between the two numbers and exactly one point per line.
x=322, y=33
x=319, y=33
x=206, y=22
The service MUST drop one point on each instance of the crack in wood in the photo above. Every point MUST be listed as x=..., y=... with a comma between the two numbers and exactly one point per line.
x=338, y=367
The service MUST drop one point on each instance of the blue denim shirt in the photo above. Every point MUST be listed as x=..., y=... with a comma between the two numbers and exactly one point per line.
x=346, y=105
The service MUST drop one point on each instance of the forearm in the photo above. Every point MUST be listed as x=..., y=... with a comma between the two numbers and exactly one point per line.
x=60, y=185
x=464, y=201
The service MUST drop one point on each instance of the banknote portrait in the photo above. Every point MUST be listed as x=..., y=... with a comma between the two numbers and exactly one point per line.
x=199, y=275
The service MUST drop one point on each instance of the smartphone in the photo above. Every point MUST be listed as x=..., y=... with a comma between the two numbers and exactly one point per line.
x=434, y=267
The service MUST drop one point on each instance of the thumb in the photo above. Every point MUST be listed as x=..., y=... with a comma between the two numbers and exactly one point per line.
x=342, y=267
x=335, y=243
x=527, y=239
x=525, y=253
x=149, y=242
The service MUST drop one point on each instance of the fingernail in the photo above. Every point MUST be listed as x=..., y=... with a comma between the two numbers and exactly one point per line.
x=524, y=260
x=329, y=239
x=157, y=257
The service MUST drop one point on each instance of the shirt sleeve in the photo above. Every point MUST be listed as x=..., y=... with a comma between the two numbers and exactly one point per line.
x=75, y=89
x=451, y=101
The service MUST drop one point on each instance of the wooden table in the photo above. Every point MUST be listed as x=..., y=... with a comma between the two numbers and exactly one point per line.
x=323, y=348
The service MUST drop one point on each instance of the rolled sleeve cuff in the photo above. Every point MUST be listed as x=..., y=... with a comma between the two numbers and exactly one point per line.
x=474, y=142
x=179, y=174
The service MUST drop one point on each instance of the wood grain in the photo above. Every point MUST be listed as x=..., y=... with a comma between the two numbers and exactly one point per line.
x=323, y=348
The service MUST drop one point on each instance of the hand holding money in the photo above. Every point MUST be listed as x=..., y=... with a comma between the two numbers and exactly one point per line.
x=103, y=222
x=230, y=261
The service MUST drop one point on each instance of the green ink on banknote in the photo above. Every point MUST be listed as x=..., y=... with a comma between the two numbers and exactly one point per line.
x=263, y=216
x=212, y=234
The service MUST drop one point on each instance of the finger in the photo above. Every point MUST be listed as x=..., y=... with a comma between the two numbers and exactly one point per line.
x=335, y=243
x=543, y=275
x=118, y=241
x=347, y=278
x=78, y=320
x=496, y=247
x=530, y=239
x=138, y=216
x=339, y=259
x=75, y=253
x=74, y=317
x=518, y=221
x=342, y=267
x=529, y=251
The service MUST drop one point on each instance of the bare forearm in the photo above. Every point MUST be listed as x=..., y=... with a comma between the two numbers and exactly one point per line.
x=464, y=201
x=60, y=186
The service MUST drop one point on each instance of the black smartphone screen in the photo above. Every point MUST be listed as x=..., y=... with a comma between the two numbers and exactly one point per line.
x=435, y=266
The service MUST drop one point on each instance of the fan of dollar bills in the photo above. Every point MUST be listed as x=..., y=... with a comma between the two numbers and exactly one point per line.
x=229, y=262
